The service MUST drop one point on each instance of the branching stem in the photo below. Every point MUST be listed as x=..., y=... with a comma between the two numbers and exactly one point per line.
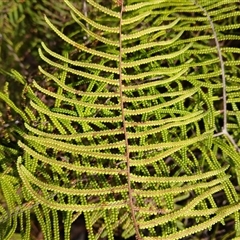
x=224, y=83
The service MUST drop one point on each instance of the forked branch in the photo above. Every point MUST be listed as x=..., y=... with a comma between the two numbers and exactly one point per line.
x=224, y=84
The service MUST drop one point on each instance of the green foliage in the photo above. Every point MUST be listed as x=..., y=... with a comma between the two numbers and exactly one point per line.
x=136, y=128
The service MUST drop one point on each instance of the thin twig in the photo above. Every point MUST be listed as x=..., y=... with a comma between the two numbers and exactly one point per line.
x=224, y=83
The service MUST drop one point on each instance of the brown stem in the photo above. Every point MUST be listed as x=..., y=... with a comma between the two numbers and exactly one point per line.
x=127, y=153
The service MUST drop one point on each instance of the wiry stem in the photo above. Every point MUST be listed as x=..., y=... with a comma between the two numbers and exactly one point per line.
x=85, y=10
x=131, y=203
x=224, y=83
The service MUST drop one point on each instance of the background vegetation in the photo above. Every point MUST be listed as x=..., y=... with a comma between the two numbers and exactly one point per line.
x=22, y=29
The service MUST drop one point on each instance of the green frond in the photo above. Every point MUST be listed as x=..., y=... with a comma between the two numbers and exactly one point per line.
x=75, y=63
x=155, y=58
x=89, y=21
x=176, y=179
x=135, y=123
x=80, y=46
x=104, y=9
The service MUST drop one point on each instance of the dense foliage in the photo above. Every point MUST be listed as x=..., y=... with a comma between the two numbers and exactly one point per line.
x=132, y=119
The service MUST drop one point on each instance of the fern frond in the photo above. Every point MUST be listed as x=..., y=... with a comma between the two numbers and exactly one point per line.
x=139, y=135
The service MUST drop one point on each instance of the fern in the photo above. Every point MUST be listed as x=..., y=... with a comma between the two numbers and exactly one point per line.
x=139, y=128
